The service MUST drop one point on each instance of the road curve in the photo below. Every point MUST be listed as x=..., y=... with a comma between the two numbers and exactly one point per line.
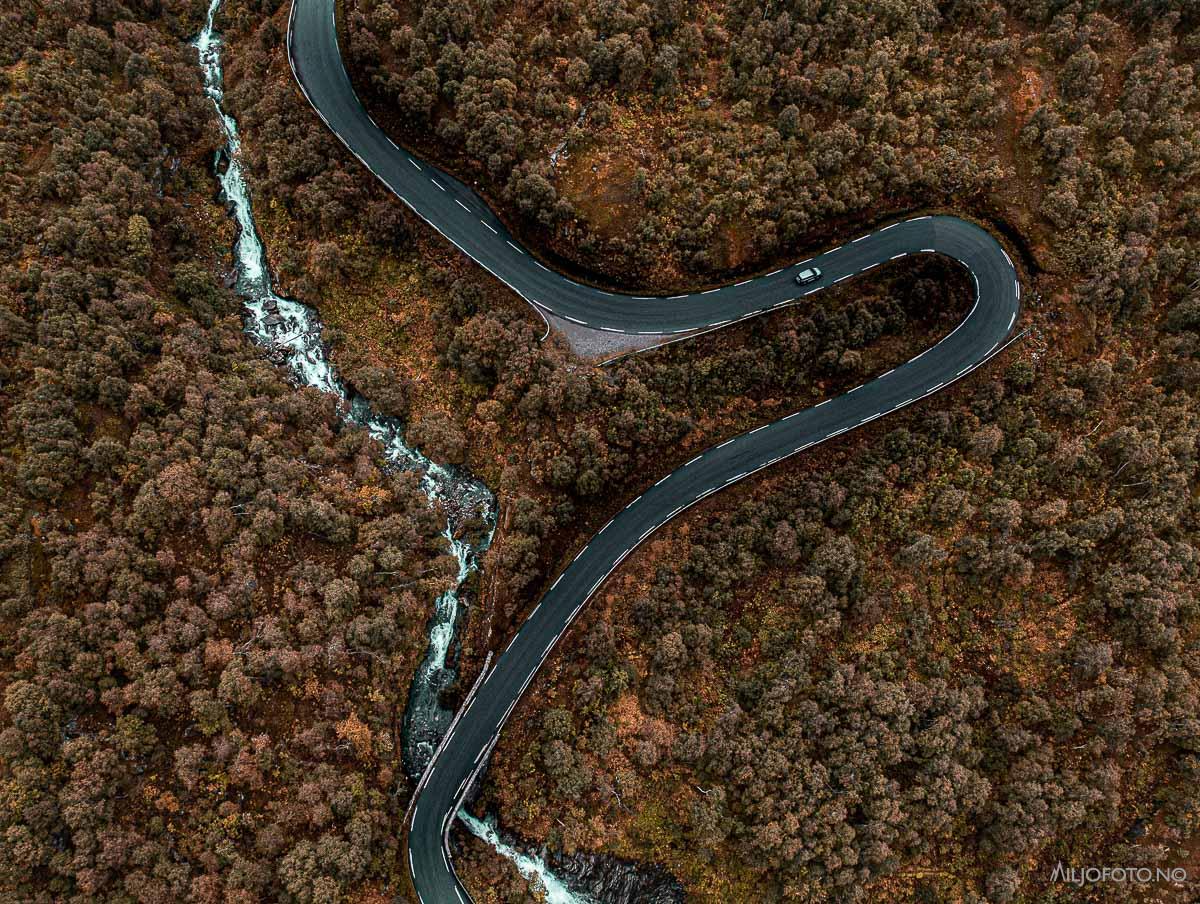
x=463, y=218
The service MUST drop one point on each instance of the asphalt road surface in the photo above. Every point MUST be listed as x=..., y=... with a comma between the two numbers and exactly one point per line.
x=461, y=216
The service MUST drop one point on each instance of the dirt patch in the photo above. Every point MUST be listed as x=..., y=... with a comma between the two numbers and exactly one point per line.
x=1030, y=94
x=601, y=184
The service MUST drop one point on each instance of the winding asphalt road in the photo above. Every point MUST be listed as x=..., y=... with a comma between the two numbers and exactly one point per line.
x=462, y=217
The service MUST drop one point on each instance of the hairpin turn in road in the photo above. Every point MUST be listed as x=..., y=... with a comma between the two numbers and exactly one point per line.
x=456, y=212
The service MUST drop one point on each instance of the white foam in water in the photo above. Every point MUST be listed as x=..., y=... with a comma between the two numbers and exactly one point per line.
x=532, y=868
x=293, y=332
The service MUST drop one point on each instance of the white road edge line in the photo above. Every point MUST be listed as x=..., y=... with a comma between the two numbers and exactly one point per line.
x=983, y=360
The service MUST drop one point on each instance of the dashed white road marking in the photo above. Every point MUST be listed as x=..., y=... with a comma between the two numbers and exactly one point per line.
x=896, y=257
x=1017, y=290
x=513, y=247
x=489, y=226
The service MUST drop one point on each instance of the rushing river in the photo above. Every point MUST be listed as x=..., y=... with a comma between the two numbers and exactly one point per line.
x=530, y=866
x=291, y=333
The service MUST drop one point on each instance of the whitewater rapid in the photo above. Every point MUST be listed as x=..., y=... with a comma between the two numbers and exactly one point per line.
x=291, y=332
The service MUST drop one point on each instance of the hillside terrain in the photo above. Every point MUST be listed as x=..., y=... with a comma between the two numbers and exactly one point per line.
x=1011, y=569
x=213, y=596
x=926, y=663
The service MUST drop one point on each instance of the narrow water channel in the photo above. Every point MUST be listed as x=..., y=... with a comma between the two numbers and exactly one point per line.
x=291, y=332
